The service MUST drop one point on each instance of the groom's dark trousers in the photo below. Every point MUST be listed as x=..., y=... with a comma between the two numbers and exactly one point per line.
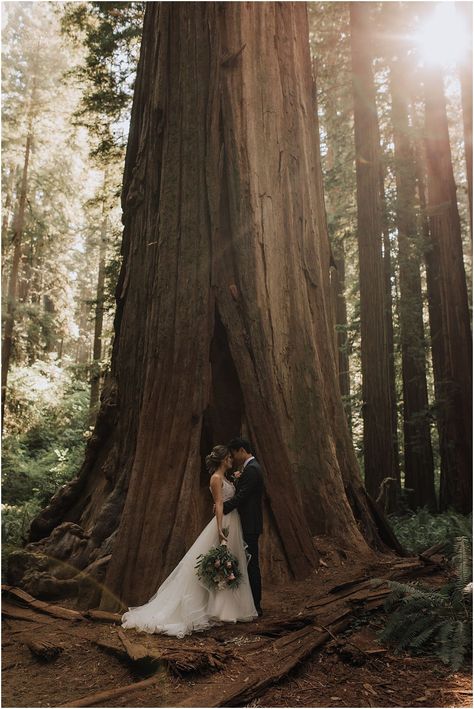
x=253, y=568
x=248, y=501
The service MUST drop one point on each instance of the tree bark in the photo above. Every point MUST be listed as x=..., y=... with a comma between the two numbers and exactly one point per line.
x=7, y=214
x=465, y=74
x=222, y=319
x=434, y=300
x=418, y=453
x=455, y=404
x=340, y=317
x=98, y=321
x=393, y=490
x=377, y=409
x=7, y=345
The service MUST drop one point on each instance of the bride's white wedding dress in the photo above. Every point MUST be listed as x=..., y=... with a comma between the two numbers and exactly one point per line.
x=182, y=604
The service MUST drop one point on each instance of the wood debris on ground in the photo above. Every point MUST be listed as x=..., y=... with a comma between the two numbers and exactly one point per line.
x=300, y=653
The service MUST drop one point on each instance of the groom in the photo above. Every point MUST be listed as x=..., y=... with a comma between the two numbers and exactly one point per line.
x=248, y=501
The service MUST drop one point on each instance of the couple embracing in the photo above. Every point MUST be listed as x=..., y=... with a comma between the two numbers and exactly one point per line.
x=182, y=604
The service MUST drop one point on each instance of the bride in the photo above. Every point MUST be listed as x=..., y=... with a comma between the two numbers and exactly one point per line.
x=182, y=604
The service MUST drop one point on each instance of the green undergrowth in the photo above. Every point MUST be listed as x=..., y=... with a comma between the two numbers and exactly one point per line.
x=420, y=530
x=436, y=621
x=43, y=444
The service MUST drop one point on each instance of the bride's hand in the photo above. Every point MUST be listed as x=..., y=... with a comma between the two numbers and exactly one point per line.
x=222, y=535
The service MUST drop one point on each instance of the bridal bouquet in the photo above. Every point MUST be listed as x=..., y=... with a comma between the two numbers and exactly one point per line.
x=218, y=569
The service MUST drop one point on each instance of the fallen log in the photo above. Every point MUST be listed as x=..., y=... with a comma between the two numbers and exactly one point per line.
x=179, y=659
x=43, y=650
x=285, y=654
x=361, y=581
x=275, y=628
x=365, y=598
x=91, y=699
x=415, y=572
x=343, y=595
x=135, y=651
x=434, y=550
x=104, y=616
x=19, y=613
x=143, y=661
x=57, y=611
x=359, y=589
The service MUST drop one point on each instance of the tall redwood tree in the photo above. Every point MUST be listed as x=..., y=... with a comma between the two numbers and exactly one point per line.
x=376, y=392
x=465, y=74
x=454, y=390
x=418, y=454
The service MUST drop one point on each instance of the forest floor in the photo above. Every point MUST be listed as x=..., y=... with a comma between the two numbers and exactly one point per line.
x=348, y=668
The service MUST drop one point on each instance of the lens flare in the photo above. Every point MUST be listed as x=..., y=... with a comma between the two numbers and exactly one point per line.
x=444, y=37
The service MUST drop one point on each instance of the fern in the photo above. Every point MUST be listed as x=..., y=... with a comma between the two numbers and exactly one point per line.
x=457, y=648
x=423, y=637
x=462, y=561
x=435, y=621
x=416, y=531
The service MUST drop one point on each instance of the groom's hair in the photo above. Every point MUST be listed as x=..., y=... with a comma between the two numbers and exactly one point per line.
x=237, y=443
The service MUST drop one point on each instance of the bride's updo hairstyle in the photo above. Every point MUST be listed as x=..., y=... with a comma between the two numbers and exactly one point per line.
x=215, y=458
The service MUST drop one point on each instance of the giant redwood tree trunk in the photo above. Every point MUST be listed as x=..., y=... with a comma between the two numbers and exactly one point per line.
x=418, y=454
x=455, y=385
x=377, y=411
x=222, y=317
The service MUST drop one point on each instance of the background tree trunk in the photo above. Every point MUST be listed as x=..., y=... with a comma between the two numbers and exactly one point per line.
x=9, y=190
x=340, y=313
x=377, y=397
x=7, y=344
x=222, y=319
x=456, y=404
x=418, y=454
x=434, y=300
x=98, y=322
x=391, y=500
x=465, y=74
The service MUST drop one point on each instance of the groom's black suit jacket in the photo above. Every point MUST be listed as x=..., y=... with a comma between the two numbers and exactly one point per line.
x=248, y=499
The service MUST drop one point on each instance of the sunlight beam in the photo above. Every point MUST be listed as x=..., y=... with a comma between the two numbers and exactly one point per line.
x=444, y=37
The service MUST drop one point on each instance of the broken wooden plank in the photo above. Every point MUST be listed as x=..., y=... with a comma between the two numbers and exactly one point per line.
x=425, y=570
x=434, y=550
x=345, y=595
x=43, y=650
x=365, y=598
x=99, y=697
x=361, y=581
x=136, y=651
x=58, y=611
x=11, y=610
x=356, y=591
x=104, y=616
x=277, y=628
x=179, y=659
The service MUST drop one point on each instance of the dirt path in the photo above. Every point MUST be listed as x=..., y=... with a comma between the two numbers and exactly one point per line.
x=350, y=670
